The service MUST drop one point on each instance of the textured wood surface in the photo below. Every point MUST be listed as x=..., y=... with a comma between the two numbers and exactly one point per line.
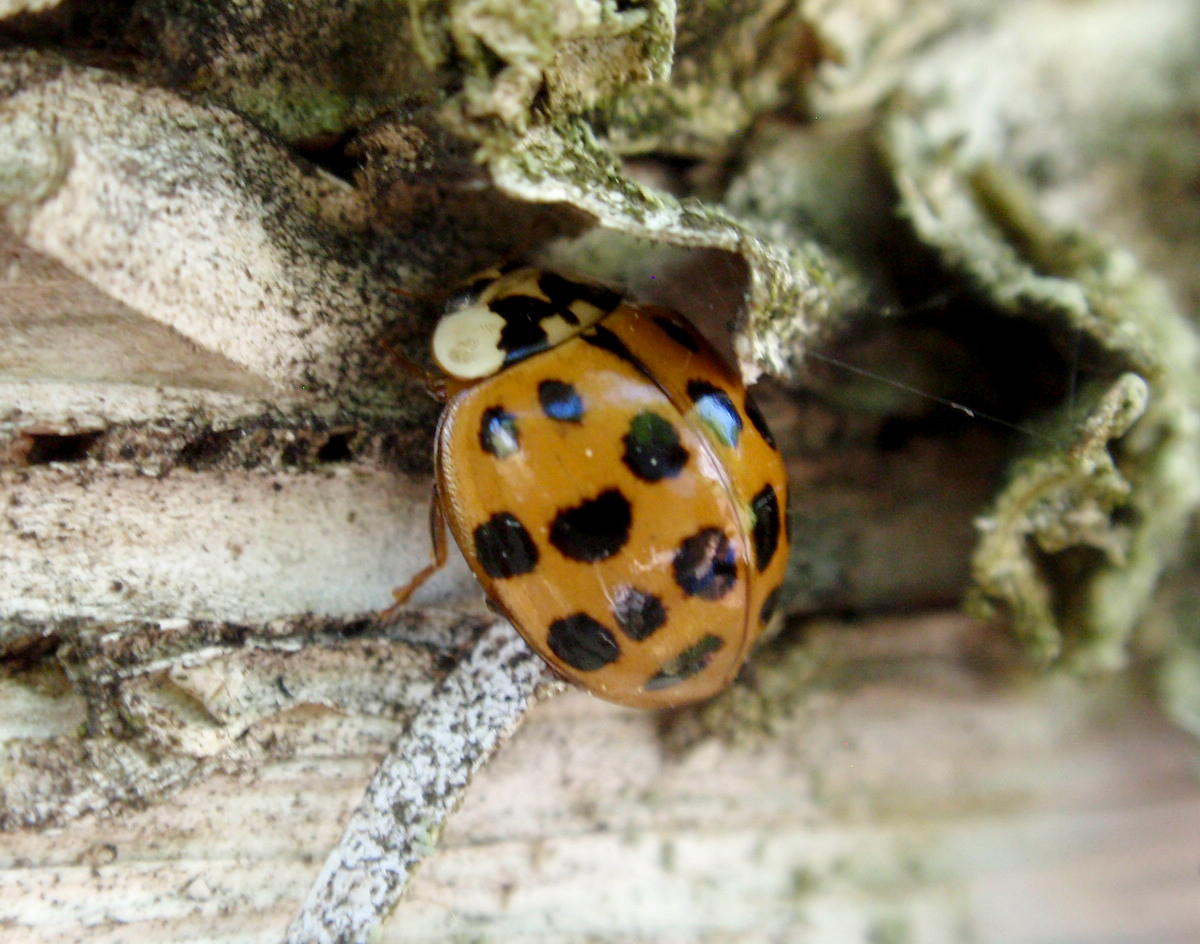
x=926, y=795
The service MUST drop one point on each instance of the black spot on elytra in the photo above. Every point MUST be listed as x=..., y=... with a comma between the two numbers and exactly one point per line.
x=562, y=291
x=691, y=662
x=498, y=432
x=504, y=548
x=677, y=333
x=770, y=605
x=582, y=643
x=706, y=565
x=638, y=613
x=765, y=508
x=716, y=411
x=593, y=530
x=560, y=401
x=652, y=449
x=759, y=421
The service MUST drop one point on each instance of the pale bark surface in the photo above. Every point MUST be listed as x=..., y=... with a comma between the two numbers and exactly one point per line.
x=937, y=799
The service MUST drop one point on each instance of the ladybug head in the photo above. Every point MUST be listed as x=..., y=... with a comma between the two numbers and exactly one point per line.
x=505, y=315
x=466, y=342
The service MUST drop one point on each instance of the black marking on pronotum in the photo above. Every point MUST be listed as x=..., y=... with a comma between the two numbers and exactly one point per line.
x=677, y=333
x=582, y=642
x=689, y=663
x=765, y=508
x=498, y=432
x=594, y=529
x=705, y=565
x=716, y=411
x=523, y=333
x=652, y=449
x=560, y=401
x=470, y=293
x=638, y=613
x=504, y=548
x=562, y=291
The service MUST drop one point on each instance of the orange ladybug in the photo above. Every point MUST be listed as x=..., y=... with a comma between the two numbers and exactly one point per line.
x=610, y=482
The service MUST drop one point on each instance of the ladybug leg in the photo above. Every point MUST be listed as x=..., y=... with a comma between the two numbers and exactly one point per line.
x=437, y=532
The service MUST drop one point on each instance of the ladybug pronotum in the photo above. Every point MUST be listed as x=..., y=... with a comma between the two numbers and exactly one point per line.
x=610, y=482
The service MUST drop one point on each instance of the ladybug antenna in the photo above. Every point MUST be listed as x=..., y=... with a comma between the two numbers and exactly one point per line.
x=433, y=383
x=433, y=298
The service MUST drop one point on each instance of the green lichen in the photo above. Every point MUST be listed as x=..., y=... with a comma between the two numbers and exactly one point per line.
x=1058, y=498
x=1077, y=540
x=1179, y=679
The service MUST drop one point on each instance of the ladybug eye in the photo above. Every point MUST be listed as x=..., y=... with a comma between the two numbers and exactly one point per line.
x=460, y=300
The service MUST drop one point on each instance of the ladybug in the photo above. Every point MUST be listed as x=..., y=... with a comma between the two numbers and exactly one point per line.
x=612, y=485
